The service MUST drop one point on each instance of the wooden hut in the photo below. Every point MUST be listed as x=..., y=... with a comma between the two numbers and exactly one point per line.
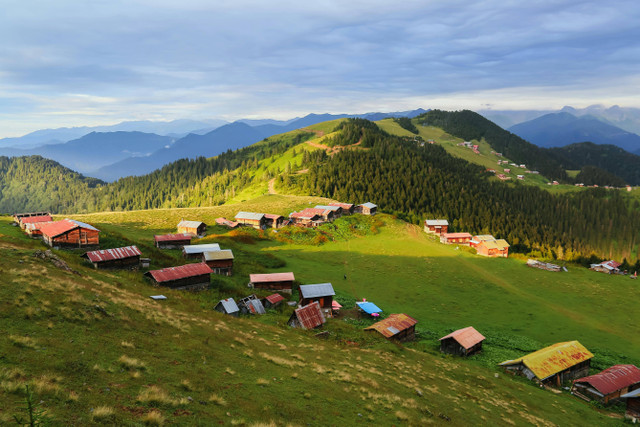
x=196, y=251
x=24, y=221
x=272, y=301
x=322, y=293
x=399, y=327
x=476, y=240
x=221, y=262
x=33, y=229
x=455, y=238
x=70, y=233
x=608, y=385
x=227, y=306
x=493, y=248
x=280, y=282
x=633, y=405
x=306, y=219
x=172, y=241
x=273, y=221
x=252, y=219
x=347, y=208
x=189, y=276
x=553, y=365
x=436, y=226
x=367, y=209
x=463, y=342
x=251, y=305
x=125, y=257
x=18, y=216
x=195, y=228
x=337, y=210
x=308, y=317
x=609, y=267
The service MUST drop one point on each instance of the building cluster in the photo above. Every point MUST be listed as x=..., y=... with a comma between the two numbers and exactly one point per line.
x=484, y=244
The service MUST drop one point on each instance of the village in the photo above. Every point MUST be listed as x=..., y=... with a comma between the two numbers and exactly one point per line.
x=553, y=366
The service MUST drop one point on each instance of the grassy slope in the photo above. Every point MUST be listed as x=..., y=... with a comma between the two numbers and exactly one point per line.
x=264, y=371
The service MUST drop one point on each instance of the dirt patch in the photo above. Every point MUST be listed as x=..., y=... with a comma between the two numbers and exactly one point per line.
x=48, y=255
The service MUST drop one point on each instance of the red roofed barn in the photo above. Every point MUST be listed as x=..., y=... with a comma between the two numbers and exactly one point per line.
x=189, y=276
x=609, y=384
x=69, y=233
x=126, y=257
x=463, y=342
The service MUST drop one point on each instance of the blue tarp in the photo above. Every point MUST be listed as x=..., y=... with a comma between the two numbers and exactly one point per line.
x=369, y=307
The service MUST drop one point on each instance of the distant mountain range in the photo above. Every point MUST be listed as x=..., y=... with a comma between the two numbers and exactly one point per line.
x=560, y=129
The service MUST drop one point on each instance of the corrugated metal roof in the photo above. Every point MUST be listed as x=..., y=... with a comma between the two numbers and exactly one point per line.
x=393, y=324
x=190, y=224
x=274, y=298
x=456, y=235
x=271, y=277
x=612, y=264
x=484, y=238
x=634, y=393
x=342, y=205
x=34, y=219
x=328, y=208
x=84, y=225
x=369, y=307
x=435, y=222
x=303, y=215
x=180, y=272
x=317, y=290
x=36, y=225
x=310, y=316
x=466, y=337
x=553, y=359
x=225, y=221
x=255, y=306
x=172, y=237
x=199, y=249
x=273, y=216
x=57, y=228
x=502, y=244
x=250, y=215
x=113, y=254
x=369, y=205
x=613, y=379
x=229, y=305
x=218, y=255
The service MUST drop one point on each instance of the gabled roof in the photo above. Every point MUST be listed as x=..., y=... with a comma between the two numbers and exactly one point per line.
x=34, y=219
x=172, y=237
x=553, y=359
x=255, y=306
x=436, y=222
x=180, y=272
x=456, y=235
x=369, y=205
x=57, y=228
x=36, y=225
x=304, y=215
x=229, y=305
x=250, y=215
x=113, y=254
x=495, y=244
x=393, y=324
x=317, y=290
x=272, y=216
x=466, y=337
x=222, y=254
x=342, y=205
x=274, y=298
x=613, y=379
x=271, y=277
x=484, y=238
x=225, y=221
x=190, y=224
x=328, y=207
x=613, y=264
x=369, y=307
x=310, y=316
x=199, y=249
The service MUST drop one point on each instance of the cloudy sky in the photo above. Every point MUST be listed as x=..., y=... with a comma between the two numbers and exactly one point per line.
x=72, y=63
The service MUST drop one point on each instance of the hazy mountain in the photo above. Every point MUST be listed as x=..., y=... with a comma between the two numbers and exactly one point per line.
x=560, y=129
x=507, y=118
x=623, y=117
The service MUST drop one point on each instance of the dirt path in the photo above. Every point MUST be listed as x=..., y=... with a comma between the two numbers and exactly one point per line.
x=272, y=186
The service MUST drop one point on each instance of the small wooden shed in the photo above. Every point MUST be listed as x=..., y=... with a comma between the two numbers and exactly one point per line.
x=436, y=226
x=189, y=276
x=367, y=209
x=252, y=219
x=172, y=241
x=272, y=301
x=251, y=305
x=608, y=385
x=280, y=282
x=337, y=210
x=221, y=262
x=322, y=293
x=18, y=216
x=306, y=219
x=194, y=228
x=455, y=238
x=125, y=257
x=633, y=405
x=196, y=251
x=273, y=221
x=308, y=317
x=399, y=327
x=347, y=208
x=227, y=306
x=463, y=342
x=493, y=248
x=70, y=233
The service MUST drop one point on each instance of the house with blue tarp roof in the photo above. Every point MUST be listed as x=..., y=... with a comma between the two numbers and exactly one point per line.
x=368, y=307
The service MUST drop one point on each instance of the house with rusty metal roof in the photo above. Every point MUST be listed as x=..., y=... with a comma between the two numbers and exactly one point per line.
x=228, y=306
x=221, y=262
x=23, y=221
x=347, y=208
x=252, y=219
x=553, y=365
x=172, y=241
x=309, y=316
x=609, y=267
x=70, y=233
x=195, y=228
x=463, y=342
x=608, y=385
x=125, y=257
x=188, y=276
x=272, y=300
x=281, y=282
x=436, y=226
x=399, y=327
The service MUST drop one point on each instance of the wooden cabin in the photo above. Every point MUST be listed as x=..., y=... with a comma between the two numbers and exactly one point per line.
x=305, y=219
x=272, y=301
x=70, y=233
x=609, y=385
x=476, y=240
x=189, y=276
x=632, y=412
x=125, y=257
x=221, y=262
x=252, y=219
x=463, y=342
x=24, y=221
x=196, y=251
x=436, y=226
x=227, y=306
x=194, y=228
x=33, y=229
x=399, y=327
x=172, y=241
x=322, y=293
x=18, y=216
x=367, y=209
x=455, y=238
x=280, y=282
x=553, y=365
x=273, y=221
x=309, y=316
x=337, y=210
x=347, y=208
x=493, y=248
x=325, y=215
x=609, y=267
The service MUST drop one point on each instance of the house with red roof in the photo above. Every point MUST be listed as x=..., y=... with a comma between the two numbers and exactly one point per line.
x=125, y=257
x=463, y=342
x=23, y=221
x=608, y=385
x=308, y=317
x=172, y=241
x=280, y=282
x=399, y=327
x=456, y=238
x=70, y=233
x=609, y=267
x=189, y=276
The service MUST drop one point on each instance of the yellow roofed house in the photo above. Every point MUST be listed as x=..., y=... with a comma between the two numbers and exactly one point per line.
x=553, y=365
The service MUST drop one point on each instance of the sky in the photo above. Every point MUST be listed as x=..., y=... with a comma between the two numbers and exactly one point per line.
x=75, y=63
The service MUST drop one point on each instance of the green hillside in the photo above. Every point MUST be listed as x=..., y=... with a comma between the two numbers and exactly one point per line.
x=96, y=349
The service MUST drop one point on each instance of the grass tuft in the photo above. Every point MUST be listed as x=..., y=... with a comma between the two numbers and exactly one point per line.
x=103, y=414
x=23, y=342
x=131, y=363
x=218, y=400
x=153, y=418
